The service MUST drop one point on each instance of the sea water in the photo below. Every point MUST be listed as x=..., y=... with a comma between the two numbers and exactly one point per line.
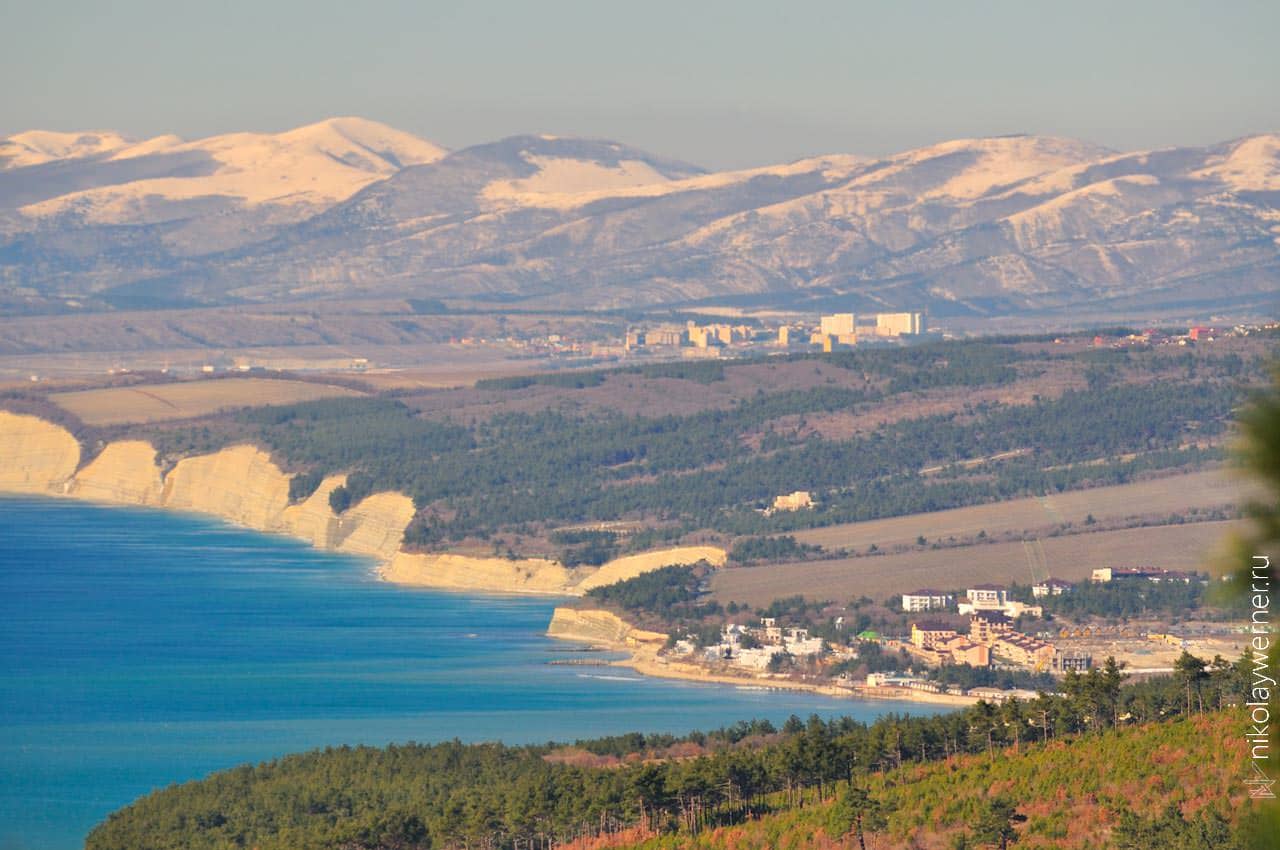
x=140, y=648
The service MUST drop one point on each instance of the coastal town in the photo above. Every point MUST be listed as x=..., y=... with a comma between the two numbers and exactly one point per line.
x=987, y=641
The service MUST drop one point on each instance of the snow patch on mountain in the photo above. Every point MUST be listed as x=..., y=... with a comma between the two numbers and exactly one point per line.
x=308, y=167
x=1003, y=161
x=36, y=147
x=1252, y=164
x=561, y=182
x=566, y=184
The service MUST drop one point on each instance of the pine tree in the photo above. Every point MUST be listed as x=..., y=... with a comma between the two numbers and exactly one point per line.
x=856, y=813
x=995, y=824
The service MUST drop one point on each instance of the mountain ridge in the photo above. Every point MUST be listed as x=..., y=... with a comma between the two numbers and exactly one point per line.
x=998, y=225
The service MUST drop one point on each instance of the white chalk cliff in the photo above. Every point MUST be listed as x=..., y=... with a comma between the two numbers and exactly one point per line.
x=241, y=484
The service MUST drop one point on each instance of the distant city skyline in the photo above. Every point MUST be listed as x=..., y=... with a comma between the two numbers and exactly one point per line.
x=717, y=84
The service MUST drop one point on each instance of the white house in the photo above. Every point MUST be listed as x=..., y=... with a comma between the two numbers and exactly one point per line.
x=987, y=596
x=927, y=600
x=1050, y=587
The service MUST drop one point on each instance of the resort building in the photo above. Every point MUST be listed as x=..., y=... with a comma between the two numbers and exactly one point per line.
x=987, y=597
x=1023, y=650
x=994, y=597
x=986, y=626
x=927, y=634
x=927, y=599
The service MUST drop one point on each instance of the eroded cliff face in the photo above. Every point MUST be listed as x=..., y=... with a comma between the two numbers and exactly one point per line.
x=534, y=575
x=630, y=566
x=494, y=575
x=312, y=519
x=242, y=485
x=125, y=472
x=602, y=628
x=374, y=526
x=239, y=484
x=35, y=456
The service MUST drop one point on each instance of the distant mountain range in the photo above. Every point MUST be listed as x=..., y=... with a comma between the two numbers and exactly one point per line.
x=352, y=208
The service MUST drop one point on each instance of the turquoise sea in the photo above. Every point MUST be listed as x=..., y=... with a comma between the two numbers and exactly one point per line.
x=140, y=648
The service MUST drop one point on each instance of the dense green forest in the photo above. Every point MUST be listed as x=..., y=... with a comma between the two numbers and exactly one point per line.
x=529, y=471
x=489, y=795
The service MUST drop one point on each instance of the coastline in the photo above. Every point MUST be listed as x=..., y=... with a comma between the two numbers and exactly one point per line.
x=606, y=630
x=241, y=484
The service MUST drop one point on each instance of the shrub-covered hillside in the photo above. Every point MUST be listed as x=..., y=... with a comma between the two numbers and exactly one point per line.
x=1171, y=786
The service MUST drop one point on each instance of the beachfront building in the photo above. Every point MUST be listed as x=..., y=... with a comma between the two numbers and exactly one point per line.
x=998, y=695
x=754, y=647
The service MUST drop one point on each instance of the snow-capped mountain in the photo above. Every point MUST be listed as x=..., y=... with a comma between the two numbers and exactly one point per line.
x=349, y=207
x=130, y=182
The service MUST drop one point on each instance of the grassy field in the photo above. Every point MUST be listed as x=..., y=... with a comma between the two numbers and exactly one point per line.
x=182, y=400
x=1071, y=557
x=1159, y=497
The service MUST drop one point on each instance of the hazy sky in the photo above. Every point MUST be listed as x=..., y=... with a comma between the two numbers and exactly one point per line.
x=717, y=83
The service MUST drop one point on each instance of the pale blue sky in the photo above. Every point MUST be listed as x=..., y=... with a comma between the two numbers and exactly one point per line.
x=717, y=83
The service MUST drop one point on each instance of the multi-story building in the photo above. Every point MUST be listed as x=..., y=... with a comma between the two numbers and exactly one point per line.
x=1023, y=650
x=993, y=597
x=987, y=597
x=1078, y=661
x=839, y=324
x=964, y=651
x=900, y=324
x=927, y=599
x=986, y=626
x=927, y=634
x=664, y=336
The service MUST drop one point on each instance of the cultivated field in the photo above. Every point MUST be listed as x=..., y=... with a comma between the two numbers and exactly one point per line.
x=182, y=400
x=1174, y=494
x=1071, y=557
